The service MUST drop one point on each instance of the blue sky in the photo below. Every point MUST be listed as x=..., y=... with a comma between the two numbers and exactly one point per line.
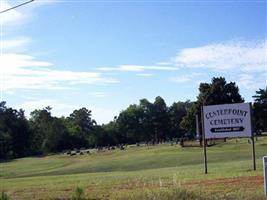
x=105, y=55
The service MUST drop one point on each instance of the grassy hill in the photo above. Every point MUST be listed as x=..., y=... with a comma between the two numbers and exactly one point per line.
x=157, y=172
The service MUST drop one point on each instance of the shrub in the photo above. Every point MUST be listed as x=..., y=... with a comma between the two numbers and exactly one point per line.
x=78, y=194
x=4, y=196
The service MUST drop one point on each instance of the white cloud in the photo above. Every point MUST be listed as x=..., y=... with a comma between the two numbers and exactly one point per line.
x=10, y=92
x=137, y=68
x=97, y=94
x=64, y=109
x=19, y=15
x=12, y=16
x=144, y=75
x=231, y=55
x=234, y=55
x=164, y=63
x=246, y=81
x=180, y=79
x=251, y=81
x=109, y=114
x=184, y=78
x=58, y=108
x=14, y=44
x=21, y=71
x=14, y=62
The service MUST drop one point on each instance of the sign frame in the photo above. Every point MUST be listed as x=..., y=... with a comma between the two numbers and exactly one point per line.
x=249, y=135
x=227, y=121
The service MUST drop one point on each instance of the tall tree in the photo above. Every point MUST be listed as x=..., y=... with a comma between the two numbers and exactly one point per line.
x=177, y=111
x=260, y=110
x=221, y=92
x=216, y=92
x=49, y=133
x=14, y=133
x=147, y=119
x=188, y=122
x=80, y=125
x=130, y=123
x=261, y=96
x=160, y=120
x=40, y=121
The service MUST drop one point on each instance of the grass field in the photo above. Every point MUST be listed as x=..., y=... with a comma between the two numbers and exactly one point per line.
x=158, y=172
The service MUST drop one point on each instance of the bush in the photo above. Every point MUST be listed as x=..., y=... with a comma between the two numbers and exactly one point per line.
x=78, y=194
x=4, y=196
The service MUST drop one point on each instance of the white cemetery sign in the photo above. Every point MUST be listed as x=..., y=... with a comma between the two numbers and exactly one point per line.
x=227, y=120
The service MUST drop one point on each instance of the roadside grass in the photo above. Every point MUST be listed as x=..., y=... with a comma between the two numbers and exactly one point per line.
x=185, y=194
x=158, y=172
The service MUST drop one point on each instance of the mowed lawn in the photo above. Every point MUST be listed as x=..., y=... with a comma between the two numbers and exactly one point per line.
x=154, y=172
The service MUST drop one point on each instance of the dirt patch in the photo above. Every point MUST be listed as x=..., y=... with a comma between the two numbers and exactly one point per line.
x=249, y=184
x=223, y=185
x=251, y=181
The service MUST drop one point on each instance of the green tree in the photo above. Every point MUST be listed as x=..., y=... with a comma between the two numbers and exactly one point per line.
x=49, y=133
x=80, y=125
x=130, y=124
x=147, y=119
x=260, y=110
x=58, y=137
x=261, y=96
x=14, y=133
x=160, y=120
x=188, y=122
x=216, y=92
x=105, y=135
x=177, y=111
x=40, y=121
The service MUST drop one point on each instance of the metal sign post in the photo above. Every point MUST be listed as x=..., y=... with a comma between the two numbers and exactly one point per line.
x=252, y=140
x=253, y=153
x=265, y=173
x=204, y=141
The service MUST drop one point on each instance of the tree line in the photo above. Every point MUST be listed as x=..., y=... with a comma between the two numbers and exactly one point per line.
x=149, y=122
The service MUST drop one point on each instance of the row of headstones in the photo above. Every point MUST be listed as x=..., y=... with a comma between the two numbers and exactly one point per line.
x=121, y=147
x=82, y=152
x=77, y=152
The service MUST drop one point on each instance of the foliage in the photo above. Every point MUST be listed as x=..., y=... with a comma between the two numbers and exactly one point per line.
x=260, y=110
x=216, y=92
x=177, y=113
x=78, y=194
x=160, y=120
x=14, y=133
x=49, y=133
x=151, y=122
x=130, y=124
x=80, y=125
x=4, y=196
x=261, y=96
